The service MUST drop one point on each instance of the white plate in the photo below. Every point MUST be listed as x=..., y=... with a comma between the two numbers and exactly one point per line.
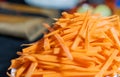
x=13, y=73
x=54, y=4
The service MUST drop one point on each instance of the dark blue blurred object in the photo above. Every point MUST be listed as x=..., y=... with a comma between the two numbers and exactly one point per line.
x=8, y=48
x=117, y=3
x=17, y=1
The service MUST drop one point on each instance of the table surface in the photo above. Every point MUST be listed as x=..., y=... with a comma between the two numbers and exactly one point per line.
x=8, y=48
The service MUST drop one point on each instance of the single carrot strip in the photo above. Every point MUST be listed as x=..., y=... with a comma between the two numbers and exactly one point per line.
x=30, y=58
x=49, y=58
x=78, y=74
x=43, y=72
x=30, y=49
x=49, y=63
x=115, y=36
x=77, y=68
x=108, y=38
x=70, y=35
x=78, y=49
x=52, y=33
x=82, y=31
x=56, y=50
x=31, y=69
x=100, y=56
x=15, y=64
x=76, y=43
x=20, y=71
x=70, y=30
x=87, y=38
x=67, y=61
x=52, y=75
x=46, y=43
x=93, y=50
x=79, y=56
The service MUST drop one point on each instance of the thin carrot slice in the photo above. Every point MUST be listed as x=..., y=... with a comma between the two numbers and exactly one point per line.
x=78, y=74
x=115, y=36
x=46, y=44
x=31, y=69
x=56, y=50
x=76, y=42
x=20, y=71
x=49, y=58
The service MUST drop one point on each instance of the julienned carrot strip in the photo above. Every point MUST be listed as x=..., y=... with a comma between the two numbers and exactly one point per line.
x=30, y=58
x=78, y=49
x=52, y=33
x=70, y=35
x=49, y=63
x=52, y=75
x=82, y=31
x=78, y=74
x=115, y=36
x=46, y=44
x=102, y=44
x=56, y=50
x=78, y=45
x=15, y=63
x=77, y=68
x=43, y=72
x=100, y=56
x=30, y=49
x=93, y=50
x=31, y=69
x=87, y=38
x=49, y=58
x=21, y=70
x=81, y=56
x=67, y=61
x=108, y=38
x=76, y=42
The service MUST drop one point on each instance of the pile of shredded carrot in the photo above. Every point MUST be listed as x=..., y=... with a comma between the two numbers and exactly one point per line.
x=78, y=45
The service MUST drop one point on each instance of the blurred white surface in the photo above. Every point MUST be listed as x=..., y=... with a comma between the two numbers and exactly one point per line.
x=14, y=70
x=54, y=4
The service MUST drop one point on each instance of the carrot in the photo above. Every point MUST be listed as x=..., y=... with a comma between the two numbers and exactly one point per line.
x=56, y=50
x=21, y=69
x=52, y=75
x=31, y=69
x=77, y=45
x=115, y=36
x=46, y=44
x=47, y=75
x=50, y=58
x=78, y=74
x=107, y=64
x=61, y=41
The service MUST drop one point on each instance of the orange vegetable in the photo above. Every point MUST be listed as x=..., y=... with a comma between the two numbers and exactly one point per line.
x=78, y=45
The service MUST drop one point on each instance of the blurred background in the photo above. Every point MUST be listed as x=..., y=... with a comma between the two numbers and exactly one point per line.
x=21, y=21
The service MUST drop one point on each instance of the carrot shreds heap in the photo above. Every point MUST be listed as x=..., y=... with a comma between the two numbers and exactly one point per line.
x=78, y=45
